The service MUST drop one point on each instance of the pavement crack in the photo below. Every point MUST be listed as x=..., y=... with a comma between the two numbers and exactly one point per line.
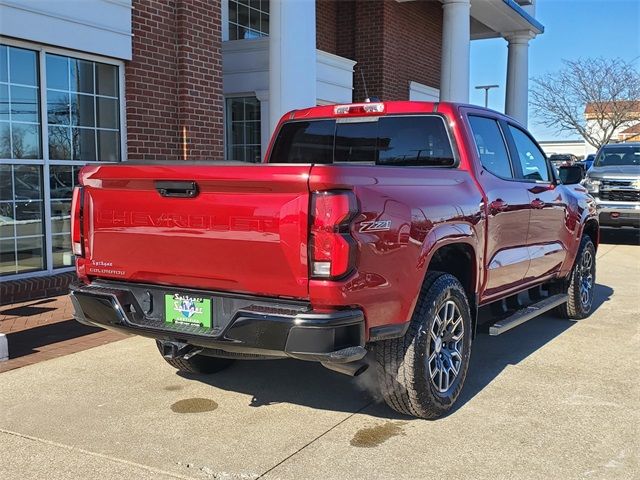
x=156, y=471
x=313, y=440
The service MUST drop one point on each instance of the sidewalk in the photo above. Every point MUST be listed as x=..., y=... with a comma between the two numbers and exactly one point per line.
x=39, y=330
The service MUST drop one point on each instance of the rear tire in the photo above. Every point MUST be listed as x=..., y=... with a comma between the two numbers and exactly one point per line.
x=580, y=285
x=411, y=369
x=197, y=363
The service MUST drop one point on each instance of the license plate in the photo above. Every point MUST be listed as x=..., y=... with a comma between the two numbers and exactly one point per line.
x=187, y=310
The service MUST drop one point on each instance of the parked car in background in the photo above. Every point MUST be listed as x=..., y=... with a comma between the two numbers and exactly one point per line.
x=588, y=161
x=562, y=159
x=372, y=229
x=614, y=181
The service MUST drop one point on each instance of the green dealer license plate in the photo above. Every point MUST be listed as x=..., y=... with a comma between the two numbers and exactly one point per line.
x=187, y=310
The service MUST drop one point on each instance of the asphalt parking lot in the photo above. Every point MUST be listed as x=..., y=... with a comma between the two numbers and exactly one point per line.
x=549, y=400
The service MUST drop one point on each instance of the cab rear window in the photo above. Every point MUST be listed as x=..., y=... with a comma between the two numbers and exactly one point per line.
x=420, y=140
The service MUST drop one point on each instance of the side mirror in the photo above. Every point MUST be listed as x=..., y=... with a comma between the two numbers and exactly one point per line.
x=571, y=174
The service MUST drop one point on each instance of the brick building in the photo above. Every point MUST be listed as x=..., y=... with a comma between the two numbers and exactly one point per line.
x=116, y=80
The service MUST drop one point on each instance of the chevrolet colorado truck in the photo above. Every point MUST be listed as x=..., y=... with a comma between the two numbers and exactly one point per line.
x=372, y=234
x=614, y=181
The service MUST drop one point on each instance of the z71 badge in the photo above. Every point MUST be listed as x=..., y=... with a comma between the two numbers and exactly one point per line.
x=377, y=226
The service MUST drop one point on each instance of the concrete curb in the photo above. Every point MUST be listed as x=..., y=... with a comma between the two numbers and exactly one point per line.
x=4, y=348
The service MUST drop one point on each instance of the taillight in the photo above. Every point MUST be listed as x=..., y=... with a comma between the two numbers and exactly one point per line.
x=331, y=247
x=77, y=214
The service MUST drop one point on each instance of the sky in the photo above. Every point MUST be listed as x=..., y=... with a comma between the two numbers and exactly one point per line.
x=572, y=29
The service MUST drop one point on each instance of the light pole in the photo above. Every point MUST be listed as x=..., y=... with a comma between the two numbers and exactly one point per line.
x=486, y=89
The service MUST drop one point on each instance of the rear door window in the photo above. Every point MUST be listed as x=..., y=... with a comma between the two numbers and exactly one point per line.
x=418, y=140
x=490, y=145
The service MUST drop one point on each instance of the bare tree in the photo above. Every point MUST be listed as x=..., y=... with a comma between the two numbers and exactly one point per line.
x=594, y=97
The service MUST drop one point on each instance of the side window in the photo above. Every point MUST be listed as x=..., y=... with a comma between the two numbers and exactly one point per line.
x=490, y=144
x=534, y=165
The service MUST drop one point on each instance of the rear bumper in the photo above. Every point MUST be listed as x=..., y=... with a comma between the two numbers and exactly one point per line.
x=618, y=214
x=245, y=325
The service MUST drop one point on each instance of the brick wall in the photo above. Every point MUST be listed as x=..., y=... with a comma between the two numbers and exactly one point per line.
x=393, y=43
x=174, y=81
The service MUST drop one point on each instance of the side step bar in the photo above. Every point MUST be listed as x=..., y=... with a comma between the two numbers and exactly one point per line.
x=527, y=314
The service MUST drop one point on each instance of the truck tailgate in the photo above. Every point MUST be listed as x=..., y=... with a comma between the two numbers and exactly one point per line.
x=245, y=230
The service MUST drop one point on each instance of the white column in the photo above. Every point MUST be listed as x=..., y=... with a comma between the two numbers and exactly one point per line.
x=265, y=127
x=454, y=72
x=517, y=92
x=292, y=56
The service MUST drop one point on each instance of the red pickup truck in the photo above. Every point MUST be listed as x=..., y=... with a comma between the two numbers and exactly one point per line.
x=372, y=234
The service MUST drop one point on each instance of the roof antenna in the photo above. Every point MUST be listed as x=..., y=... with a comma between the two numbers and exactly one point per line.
x=366, y=92
x=368, y=99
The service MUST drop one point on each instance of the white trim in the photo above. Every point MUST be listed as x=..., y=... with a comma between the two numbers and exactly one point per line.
x=422, y=89
x=224, y=20
x=65, y=18
x=4, y=348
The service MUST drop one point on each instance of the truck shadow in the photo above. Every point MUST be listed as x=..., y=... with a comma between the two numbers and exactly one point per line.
x=270, y=382
x=620, y=236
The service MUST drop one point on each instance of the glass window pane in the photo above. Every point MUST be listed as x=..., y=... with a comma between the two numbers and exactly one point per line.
x=62, y=181
x=7, y=255
x=6, y=188
x=5, y=140
x=356, y=142
x=59, y=143
x=252, y=109
x=30, y=254
x=7, y=223
x=82, y=112
x=490, y=145
x=57, y=72
x=532, y=160
x=237, y=153
x=264, y=5
x=84, y=144
x=81, y=76
x=243, y=16
x=237, y=133
x=233, y=11
x=254, y=19
x=252, y=133
x=62, y=256
x=28, y=218
x=58, y=108
x=22, y=66
x=304, y=142
x=264, y=24
x=60, y=216
x=108, y=146
x=24, y=104
x=27, y=181
x=253, y=154
x=4, y=73
x=107, y=112
x=413, y=141
x=4, y=102
x=106, y=79
x=25, y=140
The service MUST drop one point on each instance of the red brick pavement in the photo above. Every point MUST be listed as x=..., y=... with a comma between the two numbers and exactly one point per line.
x=39, y=330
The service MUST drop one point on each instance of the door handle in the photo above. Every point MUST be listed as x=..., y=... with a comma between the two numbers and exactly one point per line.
x=177, y=189
x=498, y=206
x=537, y=203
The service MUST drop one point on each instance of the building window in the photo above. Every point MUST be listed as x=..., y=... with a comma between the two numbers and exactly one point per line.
x=243, y=129
x=248, y=19
x=82, y=110
x=39, y=162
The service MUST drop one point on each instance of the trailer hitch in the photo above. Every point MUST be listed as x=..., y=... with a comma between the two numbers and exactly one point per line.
x=171, y=349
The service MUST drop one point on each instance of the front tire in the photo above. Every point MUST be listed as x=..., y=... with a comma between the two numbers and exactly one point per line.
x=581, y=283
x=197, y=363
x=422, y=373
